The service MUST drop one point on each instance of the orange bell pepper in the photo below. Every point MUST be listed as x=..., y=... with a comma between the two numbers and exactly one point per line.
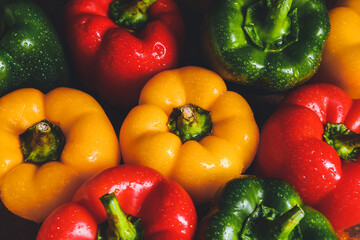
x=42, y=163
x=341, y=56
x=191, y=129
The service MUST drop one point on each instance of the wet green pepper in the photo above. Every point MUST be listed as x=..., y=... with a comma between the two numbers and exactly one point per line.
x=31, y=54
x=251, y=208
x=266, y=45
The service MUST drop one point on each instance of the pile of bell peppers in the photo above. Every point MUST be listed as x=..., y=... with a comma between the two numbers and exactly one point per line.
x=111, y=129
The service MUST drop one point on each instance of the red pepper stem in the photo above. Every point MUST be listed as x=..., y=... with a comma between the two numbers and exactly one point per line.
x=120, y=225
x=132, y=14
x=343, y=140
x=149, y=2
x=349, y=141
x=347, y=146
x=286, y=223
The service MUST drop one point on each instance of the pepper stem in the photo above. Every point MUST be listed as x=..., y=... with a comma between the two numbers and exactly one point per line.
x=286, y=223
x=132, y=14
x=120, y=227
x=277, y=20
x=267, y=223
x=271, y=24
x=190, y=122
x=41, y=143
x=343, y=140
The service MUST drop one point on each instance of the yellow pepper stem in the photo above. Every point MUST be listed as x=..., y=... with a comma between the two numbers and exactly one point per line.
x=42, y=142
x=190, y=122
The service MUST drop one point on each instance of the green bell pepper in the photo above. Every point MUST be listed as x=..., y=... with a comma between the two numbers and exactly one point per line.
x=267, y=45
x=251, y=208
x=31, y=54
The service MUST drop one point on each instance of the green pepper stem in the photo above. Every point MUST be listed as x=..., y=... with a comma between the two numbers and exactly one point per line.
x=120, y=225
x=271, y=24
x=190, y=122
x=286, y=223
x=347, y=145
x=132, y=14
x=343, y=140
x=350, y=141
x=277, y=18
x=42, y=142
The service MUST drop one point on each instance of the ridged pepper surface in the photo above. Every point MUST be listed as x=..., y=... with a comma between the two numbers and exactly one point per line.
x=251, y=208
x=341, y=56
x=266, y=45
x=189, y=127
x=312, y=141
x=49, y=145
x=124, y=202
x=118, y=45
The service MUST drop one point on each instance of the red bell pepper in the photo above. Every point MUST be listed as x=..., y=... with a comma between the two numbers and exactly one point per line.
x=164, y=208
x=118, y=45
x=313, y=142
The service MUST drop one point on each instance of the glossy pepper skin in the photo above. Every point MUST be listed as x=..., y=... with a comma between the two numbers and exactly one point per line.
x=113, y=59
x=269, y=46
x=164, y=208
x=202, y=163
x=32, y=189
x=341, y=53
x=31, y=54
x=269, y=206
x=298, y=146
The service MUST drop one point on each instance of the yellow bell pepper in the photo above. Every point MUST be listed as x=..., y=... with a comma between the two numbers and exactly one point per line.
x=191, y=129
x=341, y=55
x=42, y=163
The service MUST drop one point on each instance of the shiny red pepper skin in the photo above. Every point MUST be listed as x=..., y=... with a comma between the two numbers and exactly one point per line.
x=166, y=210
x=292, y=148
x=114, y=61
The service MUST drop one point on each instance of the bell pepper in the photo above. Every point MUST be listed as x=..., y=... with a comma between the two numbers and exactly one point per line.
x=118, y=45
x=252, y=208
x=31, y=54
x=268, y=45
x=312, y=141
x=191, y=129
x=341, y=56
x=124, y=199
x=49, y=145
